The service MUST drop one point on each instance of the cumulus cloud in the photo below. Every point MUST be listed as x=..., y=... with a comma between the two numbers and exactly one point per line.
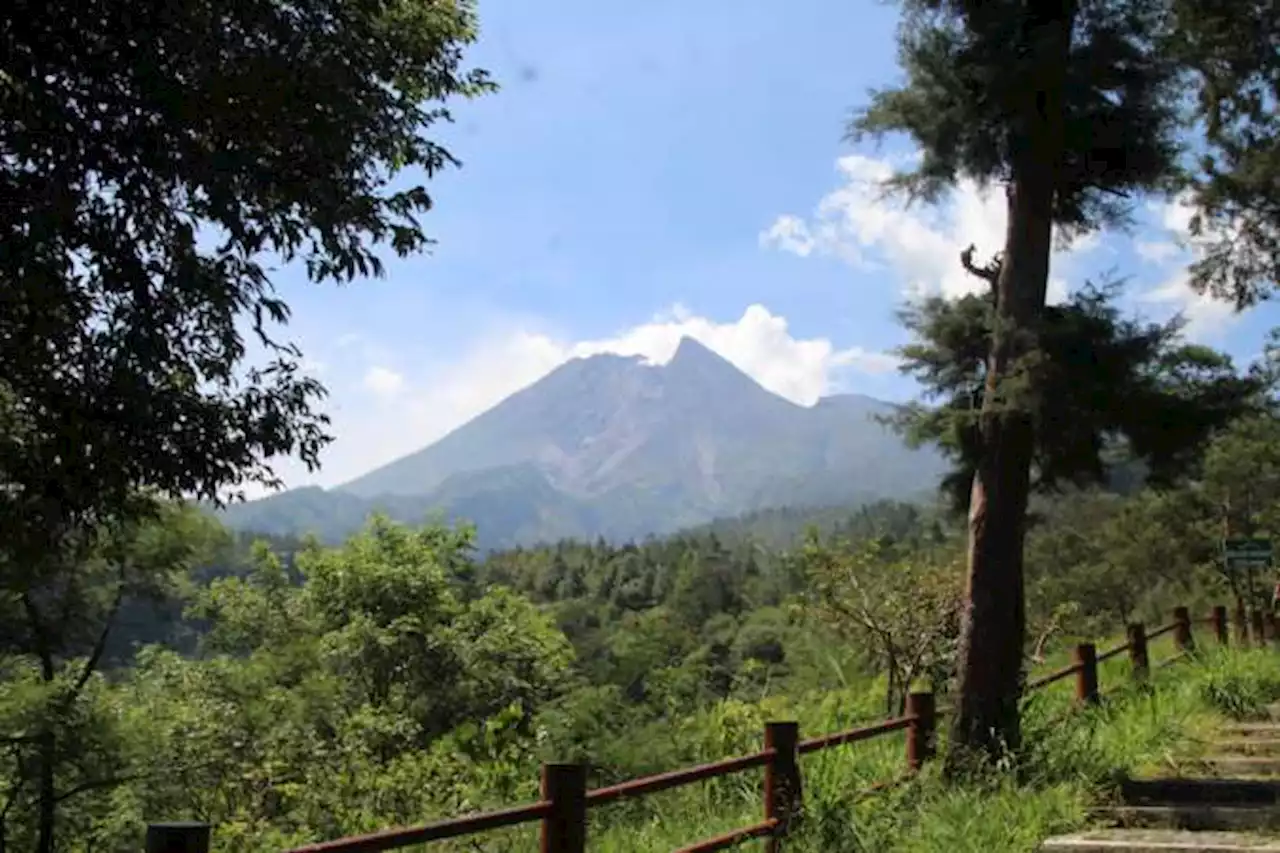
x=919, y=244
x=418, y=406
x=383, y=381
x=1171, y=252
x=758, y=343
x=1207, y=318
x=1156, y=251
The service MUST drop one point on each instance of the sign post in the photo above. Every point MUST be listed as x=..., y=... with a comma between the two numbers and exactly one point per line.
x=1243, y=554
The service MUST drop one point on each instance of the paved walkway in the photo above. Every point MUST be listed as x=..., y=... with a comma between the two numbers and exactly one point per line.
x=1231, y=805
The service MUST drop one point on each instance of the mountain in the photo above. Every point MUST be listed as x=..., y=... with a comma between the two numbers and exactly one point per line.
x=612, y=446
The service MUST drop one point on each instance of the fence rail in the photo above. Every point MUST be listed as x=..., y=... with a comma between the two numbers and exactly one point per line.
x=562, y=810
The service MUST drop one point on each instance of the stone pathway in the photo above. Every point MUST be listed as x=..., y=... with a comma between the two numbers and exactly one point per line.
x=1232, y=805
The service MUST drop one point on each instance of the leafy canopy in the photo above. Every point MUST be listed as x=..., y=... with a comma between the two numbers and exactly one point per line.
x=1095, y=380
x=1230, y=50
x=153, y=165
x=967, y=99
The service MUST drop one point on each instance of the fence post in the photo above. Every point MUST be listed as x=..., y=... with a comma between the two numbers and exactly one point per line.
x=1259, y=629
x=183, y=837
x=1182, y=634
x=921, y=707
x=1138, y=659
x=1220, y=623
x=1242, y=627
x=1085, y=657
x=564, y=829
x=782, y=789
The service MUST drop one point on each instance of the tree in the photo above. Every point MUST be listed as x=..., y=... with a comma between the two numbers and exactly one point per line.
x=1067, y=105
x=1241, y=484
x=153, y=166
x=53, y=642
x=349, y=695
x=1101, y=391
x=1113, y=559
x=904, y=608
x=1230, y=50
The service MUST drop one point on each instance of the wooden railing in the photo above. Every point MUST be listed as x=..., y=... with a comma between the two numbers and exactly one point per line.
x=565, y=799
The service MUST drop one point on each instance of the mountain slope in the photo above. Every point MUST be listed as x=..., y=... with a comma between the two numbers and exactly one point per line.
x=615, y=447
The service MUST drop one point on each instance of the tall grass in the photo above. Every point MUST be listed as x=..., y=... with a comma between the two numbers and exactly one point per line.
x=1071, y=761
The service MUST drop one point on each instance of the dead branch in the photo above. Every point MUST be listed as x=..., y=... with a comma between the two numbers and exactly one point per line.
x=989, y=273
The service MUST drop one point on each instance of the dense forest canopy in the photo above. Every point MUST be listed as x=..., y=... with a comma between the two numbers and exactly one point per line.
x=430, y=681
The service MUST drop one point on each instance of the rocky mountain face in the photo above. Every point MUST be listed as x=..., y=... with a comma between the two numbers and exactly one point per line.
x=614, y=447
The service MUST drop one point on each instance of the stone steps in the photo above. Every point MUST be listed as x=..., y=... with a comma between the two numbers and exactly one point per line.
x=1262, y=730
x=1234, y=807
x=1193, y=791
x=1256, y=745
x=1160, y=840
x=1198, y=817
x=1243, y=766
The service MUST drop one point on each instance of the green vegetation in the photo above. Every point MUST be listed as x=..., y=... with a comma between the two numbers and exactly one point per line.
x=1074, y=108
x=154, y=667
x=395, y=678
x=154, y=168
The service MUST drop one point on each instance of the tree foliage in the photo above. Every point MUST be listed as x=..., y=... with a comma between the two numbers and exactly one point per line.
x=153, y=166
x=901, y=604
x=1071, y=108
x=1231, y=54
x=1097, y=381
x=393, y=678
x=971, y=73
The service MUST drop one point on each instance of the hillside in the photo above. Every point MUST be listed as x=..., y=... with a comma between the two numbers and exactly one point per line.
x=614, y=447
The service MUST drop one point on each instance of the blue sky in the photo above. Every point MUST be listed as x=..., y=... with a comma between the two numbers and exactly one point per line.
x=660, y=169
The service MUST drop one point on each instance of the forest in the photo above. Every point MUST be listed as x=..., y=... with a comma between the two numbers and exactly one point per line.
x=308, y=692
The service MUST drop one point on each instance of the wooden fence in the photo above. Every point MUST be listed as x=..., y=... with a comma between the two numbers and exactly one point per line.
x=565, y=800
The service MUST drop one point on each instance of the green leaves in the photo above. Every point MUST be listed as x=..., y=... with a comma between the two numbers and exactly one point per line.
x=155, y=166
x=901, y=606
x=971, y=74
x=1231, y=52
x=1090, y=379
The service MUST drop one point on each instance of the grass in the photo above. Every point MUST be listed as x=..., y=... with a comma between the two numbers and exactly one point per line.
x=1071, y=762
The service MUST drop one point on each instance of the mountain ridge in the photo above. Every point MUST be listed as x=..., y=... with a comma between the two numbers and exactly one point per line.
x=613, y=446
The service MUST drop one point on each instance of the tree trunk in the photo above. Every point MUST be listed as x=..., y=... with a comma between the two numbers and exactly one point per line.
x=47, y=794
x=891, y=690
x=993, y=621
x=46, y=740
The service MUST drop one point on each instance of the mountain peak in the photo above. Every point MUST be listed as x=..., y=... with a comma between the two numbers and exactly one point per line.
x=691, y=351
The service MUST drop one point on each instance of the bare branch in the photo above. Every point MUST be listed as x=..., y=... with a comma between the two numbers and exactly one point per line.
x=989, y=273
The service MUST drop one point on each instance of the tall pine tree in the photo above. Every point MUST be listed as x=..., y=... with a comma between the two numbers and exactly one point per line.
x=1068, y=107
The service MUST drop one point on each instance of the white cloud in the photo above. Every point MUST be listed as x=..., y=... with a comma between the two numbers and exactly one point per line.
x=1156, y=251
x=1207, y=318
x=919, y=243
x=419, y=406
x=383, y=381
x=1172, y=252
x=791, y=234
x=758, y=343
